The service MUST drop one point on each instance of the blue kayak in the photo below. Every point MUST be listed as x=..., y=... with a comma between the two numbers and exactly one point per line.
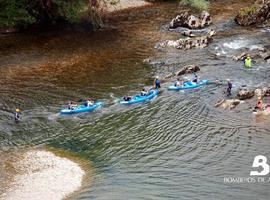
x=139, y=98
x=81, y=108
x=188, y=85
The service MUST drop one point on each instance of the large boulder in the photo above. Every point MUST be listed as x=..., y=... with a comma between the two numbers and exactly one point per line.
x=245, y=94
x=185, y=19
x=258, y=13
x=187, y=70
x=228, y=104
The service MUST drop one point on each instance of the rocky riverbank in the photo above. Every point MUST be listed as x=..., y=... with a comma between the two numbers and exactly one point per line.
x=255, y=14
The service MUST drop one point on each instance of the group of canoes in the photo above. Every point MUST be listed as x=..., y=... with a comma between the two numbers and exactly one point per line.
x=145, y=95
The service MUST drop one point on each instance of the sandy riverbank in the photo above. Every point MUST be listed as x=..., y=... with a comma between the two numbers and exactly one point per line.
x=38, y=173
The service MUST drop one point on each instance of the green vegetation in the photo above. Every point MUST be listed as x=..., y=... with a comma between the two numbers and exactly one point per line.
x=21, y=13
x=248, y=11
x=14, y=12
x=198, y=5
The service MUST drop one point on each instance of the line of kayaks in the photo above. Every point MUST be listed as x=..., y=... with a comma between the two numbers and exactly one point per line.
x=135, y=99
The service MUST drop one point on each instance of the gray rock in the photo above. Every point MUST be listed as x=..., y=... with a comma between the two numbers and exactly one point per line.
x=189, y=43
x=245, y=94
x=187, y=70
x=185, y=19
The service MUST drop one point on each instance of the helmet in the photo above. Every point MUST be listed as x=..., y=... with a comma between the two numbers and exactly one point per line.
x=17, y=110
x=248, y=57
x=228, y=80
x=157, y=77
x=259, y=97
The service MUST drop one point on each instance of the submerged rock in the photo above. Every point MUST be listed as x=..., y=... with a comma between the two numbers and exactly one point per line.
x=188, y=33
x=185, y=19
x=228, y=104
x=259, y=53
x=187, y=70
x=258, y=13
x=245, y=94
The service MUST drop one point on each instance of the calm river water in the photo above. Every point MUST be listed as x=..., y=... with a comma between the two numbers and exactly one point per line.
x=179, y=146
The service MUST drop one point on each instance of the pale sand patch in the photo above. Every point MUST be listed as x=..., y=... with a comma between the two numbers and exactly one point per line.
x=117, y=5
x=41, y=174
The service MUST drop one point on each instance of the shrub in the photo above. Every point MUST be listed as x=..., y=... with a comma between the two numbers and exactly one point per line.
x=198, y=5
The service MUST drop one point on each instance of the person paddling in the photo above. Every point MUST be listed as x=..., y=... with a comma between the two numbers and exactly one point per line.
x=89, y=102
x=72, y=105
x=229, y=89
x=127, y=98
x=17, y=115
x=157, y=83
x=248, y=62
x=144, y=92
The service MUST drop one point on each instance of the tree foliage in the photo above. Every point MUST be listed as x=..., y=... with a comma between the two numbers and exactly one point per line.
x=17, y=13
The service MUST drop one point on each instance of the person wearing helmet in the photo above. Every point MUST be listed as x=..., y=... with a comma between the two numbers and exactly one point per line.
x=17, y=114
x=229, y=89
x=248, y=62
x=157, y=83
x=259, y=105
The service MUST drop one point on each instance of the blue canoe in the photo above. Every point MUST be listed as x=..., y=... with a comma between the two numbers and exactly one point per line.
x=188, y=85
x=139, y=98
x=81, y=108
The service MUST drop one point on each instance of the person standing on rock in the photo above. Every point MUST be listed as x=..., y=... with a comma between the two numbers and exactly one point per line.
x=229, y=89
x=157, y=83
x=248, y=62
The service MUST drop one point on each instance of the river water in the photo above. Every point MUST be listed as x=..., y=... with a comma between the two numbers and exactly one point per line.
x=179, y=146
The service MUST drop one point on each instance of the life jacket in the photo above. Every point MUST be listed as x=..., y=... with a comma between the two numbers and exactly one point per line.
x=248, y=62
